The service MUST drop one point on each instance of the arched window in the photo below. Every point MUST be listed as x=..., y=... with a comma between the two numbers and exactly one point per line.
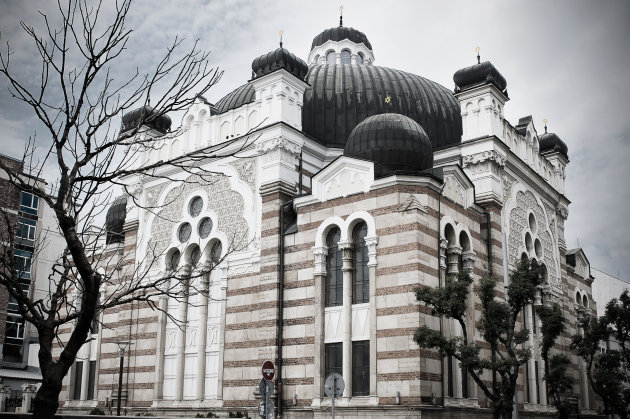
x=346, y=57
x=359, y=58
x=334, y=277
x=361, y=273
x=331, y=57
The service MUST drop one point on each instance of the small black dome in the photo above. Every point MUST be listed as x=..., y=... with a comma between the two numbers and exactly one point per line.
x=477, y=75
x=551, y=142
x=275, y=60
x=115, y=220
x=238, y=97
x=339, y=33
x=132, y=119
x=396, y=143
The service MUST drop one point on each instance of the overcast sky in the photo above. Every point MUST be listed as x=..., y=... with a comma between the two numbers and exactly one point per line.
x=567, y=61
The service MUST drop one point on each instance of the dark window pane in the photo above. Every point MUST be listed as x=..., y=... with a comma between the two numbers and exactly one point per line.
x=333, y=358
x=361, y=368
x=78, y=372
x=334, y=277
x=361, y=272
x=92, y=376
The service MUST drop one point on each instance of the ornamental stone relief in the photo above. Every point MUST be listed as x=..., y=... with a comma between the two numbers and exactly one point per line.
x=246, y=169
x=484, y=161
x=454, y=190
x=278, y=149
x=412, y=204
x=525, y=202
x=551, y=218
x=508, y=181
x=153, y=194
x=226, y=203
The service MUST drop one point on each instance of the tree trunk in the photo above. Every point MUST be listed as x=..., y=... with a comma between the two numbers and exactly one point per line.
x=507, y=411
x=46, y=400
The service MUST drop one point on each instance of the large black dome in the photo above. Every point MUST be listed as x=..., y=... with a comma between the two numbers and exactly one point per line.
x=396, y=143
x=340, y=33
x=341, y=96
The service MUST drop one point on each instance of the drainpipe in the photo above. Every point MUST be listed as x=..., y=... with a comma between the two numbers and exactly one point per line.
x=280, y=305
x=490, y=273
x=489, y=243
x=440, y=286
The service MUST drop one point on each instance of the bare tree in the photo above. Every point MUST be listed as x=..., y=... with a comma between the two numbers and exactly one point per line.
x=79, y=103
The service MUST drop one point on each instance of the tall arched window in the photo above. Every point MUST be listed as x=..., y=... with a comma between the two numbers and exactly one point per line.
x=361, y=273
x=334, y=277
x=346, y=57
x=331, y=57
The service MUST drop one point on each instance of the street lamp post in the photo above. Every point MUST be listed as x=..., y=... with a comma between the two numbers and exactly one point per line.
x=122, y=345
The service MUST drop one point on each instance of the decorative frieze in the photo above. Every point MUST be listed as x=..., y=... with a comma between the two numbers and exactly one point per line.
x=488, y=156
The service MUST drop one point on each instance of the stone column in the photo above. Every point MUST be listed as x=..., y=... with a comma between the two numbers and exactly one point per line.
x=5, y=392
x=468, y=257
x=586, y=402
x=319, y=274
x=182, y=314
x=371, y=243
x=457, y=366
x=542, y=395
x=85, y=371
x=223, y=274
x=531, y=365
x=160, y=342
x=453, y=253
x=443, y=266
x=346, y=268
x=201, y=338
x=28, y=394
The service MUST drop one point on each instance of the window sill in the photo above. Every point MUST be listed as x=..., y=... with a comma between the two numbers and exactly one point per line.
x=356, y=401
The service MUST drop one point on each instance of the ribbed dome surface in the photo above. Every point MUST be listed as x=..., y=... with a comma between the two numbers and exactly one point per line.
x=477, y=75
x=275, y=60
x=551, y=142
x=132, y=119
x=339, y=33
x=341, y=96
x=236, y=98
x=115, y=220
x=396, y=143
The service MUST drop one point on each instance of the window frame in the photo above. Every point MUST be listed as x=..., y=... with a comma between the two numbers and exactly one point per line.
x=333, y=364
x=334, y=275
x=361, y=368
x=29, y=203
x=360, y=259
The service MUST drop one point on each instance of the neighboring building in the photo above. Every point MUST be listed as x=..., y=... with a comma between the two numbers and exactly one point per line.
x=33, y=229
x=353, y=185
x=605, y=288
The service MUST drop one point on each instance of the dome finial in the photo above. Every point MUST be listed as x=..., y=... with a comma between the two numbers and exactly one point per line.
x=545, y=122
x=281, y=33
x=340, y=16
x=478, y=56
